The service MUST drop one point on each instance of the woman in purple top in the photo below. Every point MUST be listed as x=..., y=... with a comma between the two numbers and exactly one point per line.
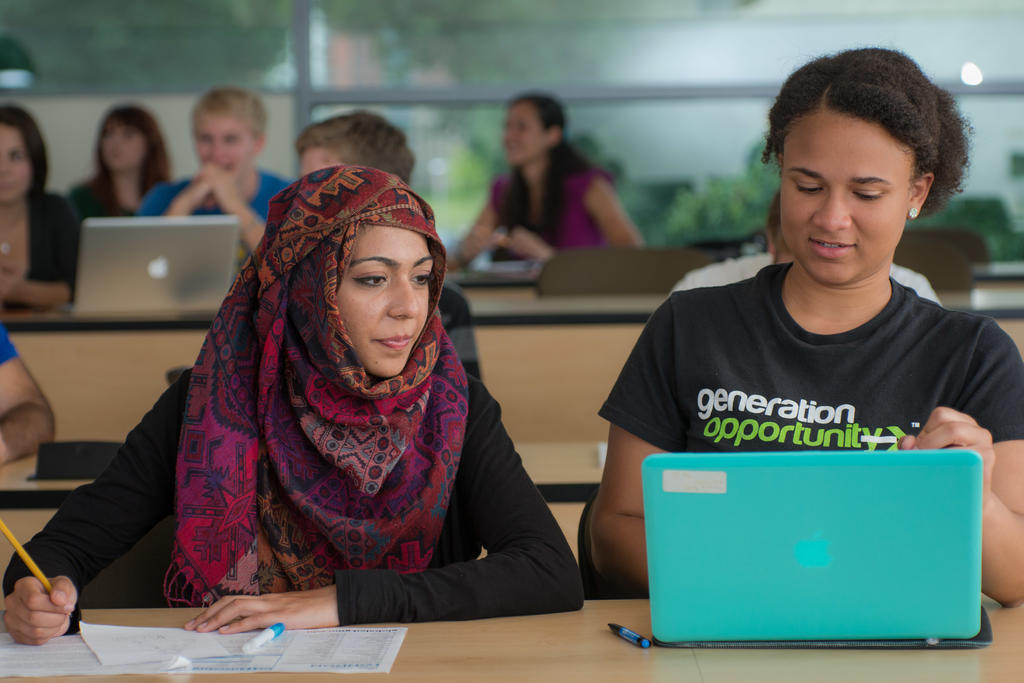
x=553, y=198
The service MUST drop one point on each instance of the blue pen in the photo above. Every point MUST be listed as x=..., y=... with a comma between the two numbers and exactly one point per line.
x=626, y=634
x=262, y=638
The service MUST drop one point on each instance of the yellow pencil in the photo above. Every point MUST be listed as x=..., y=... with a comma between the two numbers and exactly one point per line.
x=32, y=566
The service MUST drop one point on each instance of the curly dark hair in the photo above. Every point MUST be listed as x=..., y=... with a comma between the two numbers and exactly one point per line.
x=888, y=88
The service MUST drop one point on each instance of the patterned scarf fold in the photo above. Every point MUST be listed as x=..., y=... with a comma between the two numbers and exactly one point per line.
x=293, y=462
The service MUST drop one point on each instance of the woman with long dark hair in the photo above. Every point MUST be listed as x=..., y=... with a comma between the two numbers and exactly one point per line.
x=552, y=199
x=38, y=230
x=130, y=158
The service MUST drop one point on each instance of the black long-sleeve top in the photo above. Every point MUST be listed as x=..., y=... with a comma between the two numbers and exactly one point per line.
x=53, y=240
x=528, y=568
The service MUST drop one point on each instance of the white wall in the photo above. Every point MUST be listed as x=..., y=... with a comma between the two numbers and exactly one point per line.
x=68, y=124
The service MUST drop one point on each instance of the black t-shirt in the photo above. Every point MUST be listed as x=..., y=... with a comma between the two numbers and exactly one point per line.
x=728, y=369
x=528, y=569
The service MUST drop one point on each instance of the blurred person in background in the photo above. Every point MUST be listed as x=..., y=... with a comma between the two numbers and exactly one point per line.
x=552, y=199
x=130, y=158
x=229, y=132
x=38, y=230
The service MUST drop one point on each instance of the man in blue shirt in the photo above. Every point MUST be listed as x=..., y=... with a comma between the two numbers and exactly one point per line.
x=229, y=131
x=25, y=417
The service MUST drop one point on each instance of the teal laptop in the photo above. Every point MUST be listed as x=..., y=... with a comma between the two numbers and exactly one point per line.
x=813, y=546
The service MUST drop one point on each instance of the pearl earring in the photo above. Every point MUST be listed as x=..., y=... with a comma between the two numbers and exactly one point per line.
x=912, y=214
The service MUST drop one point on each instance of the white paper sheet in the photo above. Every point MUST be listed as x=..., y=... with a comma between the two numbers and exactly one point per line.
x=343, y=649
x=116, y=645
x=64, y=656
x=337, y=650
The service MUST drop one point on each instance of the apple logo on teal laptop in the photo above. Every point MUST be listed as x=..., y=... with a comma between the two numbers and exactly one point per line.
x=813, y=552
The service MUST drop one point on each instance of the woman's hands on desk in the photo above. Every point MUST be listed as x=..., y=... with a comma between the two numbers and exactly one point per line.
x=485, y=235
x=33, y=616
x=520, y=241
x=296, y=609
x=528, y=245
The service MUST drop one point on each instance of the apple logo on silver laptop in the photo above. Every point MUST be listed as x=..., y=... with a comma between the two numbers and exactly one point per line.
x=158, y=268
x=813, y=552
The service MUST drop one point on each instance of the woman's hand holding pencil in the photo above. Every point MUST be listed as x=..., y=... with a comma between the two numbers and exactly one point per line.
x=34, y=616
x=38, y=608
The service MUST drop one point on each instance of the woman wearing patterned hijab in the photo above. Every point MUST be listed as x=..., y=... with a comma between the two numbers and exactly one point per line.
x=327, y=460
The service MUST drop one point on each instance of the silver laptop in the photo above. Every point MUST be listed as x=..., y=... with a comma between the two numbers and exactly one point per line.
x=157, y=264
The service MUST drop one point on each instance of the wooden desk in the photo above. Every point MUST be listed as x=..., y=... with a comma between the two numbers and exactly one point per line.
x=564, y=471
x=100, y=382
x=27, y=505
x=577, y=646
x=986, y=274
x=19, y=490
x=566, y=474
x=550, y=362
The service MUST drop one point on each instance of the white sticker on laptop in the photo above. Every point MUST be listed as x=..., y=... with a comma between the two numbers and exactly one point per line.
x=693, y=481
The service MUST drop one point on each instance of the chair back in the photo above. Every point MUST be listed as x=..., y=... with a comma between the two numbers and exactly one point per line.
x=947, y=268
x=971, y=243
x=617, y=270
